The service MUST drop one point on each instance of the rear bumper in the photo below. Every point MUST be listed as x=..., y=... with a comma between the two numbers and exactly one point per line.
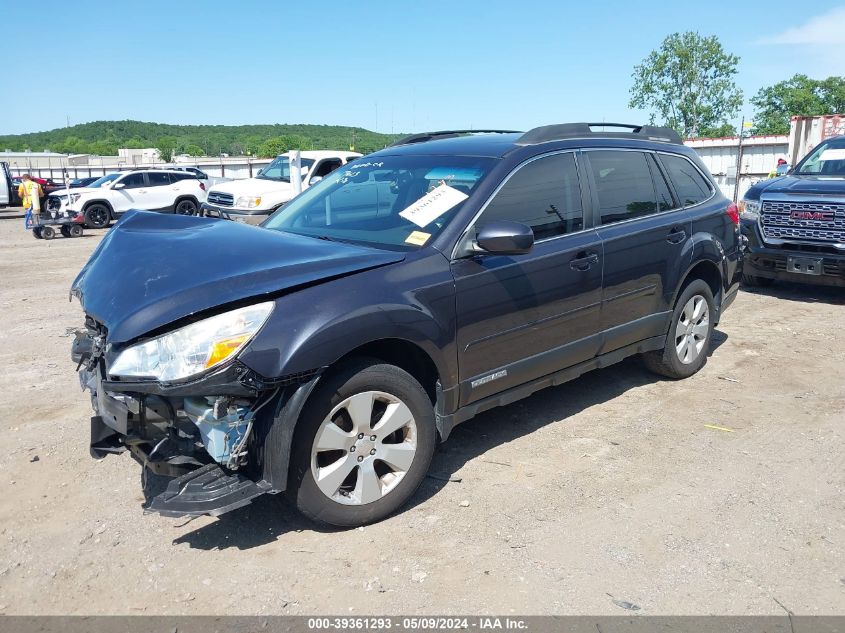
x=771, y=262
x=228, y=213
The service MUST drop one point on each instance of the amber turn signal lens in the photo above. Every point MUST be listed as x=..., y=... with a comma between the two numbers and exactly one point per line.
x=221, y=350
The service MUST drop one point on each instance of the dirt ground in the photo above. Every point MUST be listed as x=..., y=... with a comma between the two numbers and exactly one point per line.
x=605, y=493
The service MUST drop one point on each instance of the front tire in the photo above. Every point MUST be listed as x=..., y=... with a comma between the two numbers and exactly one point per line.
x=97, y=216
x=363, y=445
x=690, y=334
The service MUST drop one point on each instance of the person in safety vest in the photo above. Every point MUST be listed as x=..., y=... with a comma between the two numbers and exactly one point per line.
x=780, y=169
x=30, y=193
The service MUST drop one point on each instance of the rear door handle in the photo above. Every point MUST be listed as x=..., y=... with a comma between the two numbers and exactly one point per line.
x=583, y=261
x=676, y=236
x=142, y=191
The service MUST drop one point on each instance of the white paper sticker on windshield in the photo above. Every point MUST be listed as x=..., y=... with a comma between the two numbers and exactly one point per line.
x=433, y=204
x=833, y=154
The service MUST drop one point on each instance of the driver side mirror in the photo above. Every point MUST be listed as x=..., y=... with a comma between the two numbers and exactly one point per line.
x=315, y=180
x=118, y=185
x=504, y=238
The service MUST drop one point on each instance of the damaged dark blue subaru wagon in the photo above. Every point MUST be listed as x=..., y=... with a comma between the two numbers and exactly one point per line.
x=325, y=353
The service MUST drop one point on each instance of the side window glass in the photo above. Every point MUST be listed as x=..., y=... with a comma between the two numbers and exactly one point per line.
x=133, y=181
x=623, y=185
x=327, y=167
x=158, y=179
x=543, y=194
x=691, y=186
x=661, y=187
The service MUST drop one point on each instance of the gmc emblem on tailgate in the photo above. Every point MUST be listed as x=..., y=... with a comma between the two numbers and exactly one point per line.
x=825, y=216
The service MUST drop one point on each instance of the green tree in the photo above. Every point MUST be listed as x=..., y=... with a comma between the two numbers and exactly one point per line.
x=716, y=131
x=796, y=96
x=194, y=150
x=166, y=146
x=272, y=147
x=689, y=83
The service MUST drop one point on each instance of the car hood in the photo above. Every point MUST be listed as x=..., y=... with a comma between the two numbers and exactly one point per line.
x=152, y=269
x=253, y=187
x=813, y=185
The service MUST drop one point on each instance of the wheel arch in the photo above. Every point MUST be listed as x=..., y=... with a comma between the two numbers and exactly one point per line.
x=280, y=428
x=102, y=201
x=403, y=354
x=708, y=271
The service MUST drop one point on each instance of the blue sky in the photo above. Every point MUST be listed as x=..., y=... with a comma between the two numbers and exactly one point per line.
x=385, y=65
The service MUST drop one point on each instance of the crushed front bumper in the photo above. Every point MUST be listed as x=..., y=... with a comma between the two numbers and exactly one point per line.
x=157, y=425
x=804, y=263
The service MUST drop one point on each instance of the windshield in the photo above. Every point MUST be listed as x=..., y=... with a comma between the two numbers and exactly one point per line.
x=104, y=180
x=279, y=169
x=828, y=159
x=394, y=202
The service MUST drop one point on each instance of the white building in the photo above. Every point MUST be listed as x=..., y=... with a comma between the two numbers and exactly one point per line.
x=759, y=157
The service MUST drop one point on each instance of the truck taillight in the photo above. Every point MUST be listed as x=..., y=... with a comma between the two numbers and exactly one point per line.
x=733, y=213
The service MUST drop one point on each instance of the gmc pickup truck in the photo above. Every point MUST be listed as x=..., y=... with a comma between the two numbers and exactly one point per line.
x=794, y=225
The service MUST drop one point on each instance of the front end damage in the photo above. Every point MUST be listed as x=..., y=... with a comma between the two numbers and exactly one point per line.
x=207, y=436
x=175, y=309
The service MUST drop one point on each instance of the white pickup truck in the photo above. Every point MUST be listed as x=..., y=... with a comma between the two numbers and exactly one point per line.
x=251, y=200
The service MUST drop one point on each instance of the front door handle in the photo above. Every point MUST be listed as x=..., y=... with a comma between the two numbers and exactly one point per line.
x=142, y=191
x=583, y=261
x=676, y=236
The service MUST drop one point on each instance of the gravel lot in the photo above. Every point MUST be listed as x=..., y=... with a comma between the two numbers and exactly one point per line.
x=592, y=497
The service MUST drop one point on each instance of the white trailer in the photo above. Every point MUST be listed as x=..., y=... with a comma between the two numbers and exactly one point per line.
x=805, y=132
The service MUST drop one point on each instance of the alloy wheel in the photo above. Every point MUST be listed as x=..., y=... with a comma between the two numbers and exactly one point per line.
x=692, y=329
x=363, y=448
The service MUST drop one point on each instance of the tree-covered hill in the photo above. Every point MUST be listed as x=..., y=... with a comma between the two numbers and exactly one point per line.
x=105, y=137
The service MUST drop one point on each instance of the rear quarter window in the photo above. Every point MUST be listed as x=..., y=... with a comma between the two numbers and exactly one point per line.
x=691, y=186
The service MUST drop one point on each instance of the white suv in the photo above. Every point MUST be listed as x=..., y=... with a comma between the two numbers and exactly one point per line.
x=251, y=200
x=165, y=190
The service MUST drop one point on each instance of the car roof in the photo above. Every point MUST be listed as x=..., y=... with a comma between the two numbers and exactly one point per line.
x=318, y=154
x=487, y=145
x=167, y=170
x=546, y=138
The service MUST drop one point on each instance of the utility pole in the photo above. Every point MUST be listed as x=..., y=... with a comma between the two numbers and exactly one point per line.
x=739, y=160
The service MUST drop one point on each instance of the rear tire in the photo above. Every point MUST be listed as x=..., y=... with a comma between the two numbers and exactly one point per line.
x=36, y=232
x=97, y=216
x=754, y=281
x=362, y=446
x=75, y=230
x=690, y=334
x=185, y=207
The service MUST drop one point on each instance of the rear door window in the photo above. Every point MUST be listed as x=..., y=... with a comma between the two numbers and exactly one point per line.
x=690, y=185
x=158, y=179
x=664, y=195
x=623, y=185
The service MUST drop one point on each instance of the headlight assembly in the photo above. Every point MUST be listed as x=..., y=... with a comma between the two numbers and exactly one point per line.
x=193, y=349
x=749, y=210
x=248, y=202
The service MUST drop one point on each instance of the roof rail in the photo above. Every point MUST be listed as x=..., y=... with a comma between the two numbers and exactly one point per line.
x=422, y=137
x=548, y=133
